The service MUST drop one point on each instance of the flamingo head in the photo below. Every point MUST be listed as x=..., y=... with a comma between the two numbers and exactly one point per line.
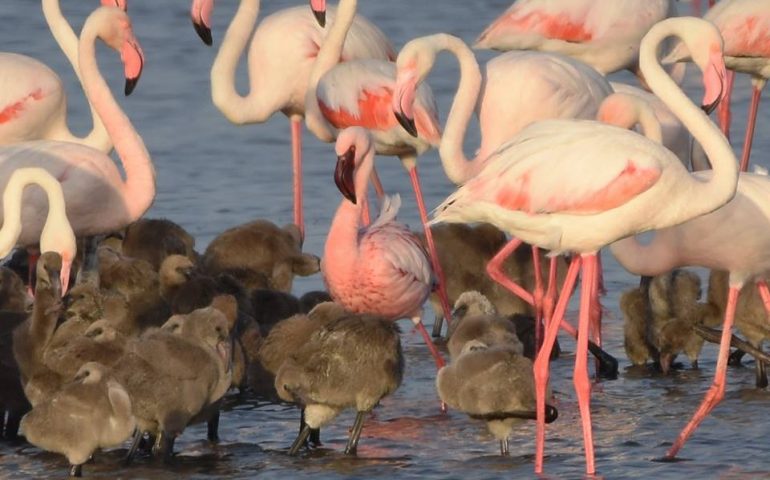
x=414, y=62
x=319, y=11
x=48, y=272
x=121, y=4
x=200, y=13
x=352, y=145
x=117, y=32
x=58, y=237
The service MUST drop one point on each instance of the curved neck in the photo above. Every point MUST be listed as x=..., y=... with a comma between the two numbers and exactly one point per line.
x=223, y=92
x=458, y=168
x=12, y=196
x=650, y=124
x=68, y=42
x=721, y=186
x=139, y=188
x=328, y=56
x=651, y=259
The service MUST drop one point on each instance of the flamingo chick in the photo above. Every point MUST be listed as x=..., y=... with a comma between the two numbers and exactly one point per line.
x=382, y=268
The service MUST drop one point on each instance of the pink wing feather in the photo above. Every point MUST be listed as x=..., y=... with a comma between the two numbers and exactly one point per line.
x=745, y=26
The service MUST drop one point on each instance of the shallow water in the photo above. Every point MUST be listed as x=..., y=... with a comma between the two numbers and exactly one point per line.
x=212, y=175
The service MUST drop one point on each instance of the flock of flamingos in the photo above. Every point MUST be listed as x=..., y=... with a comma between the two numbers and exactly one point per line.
x=562, y=168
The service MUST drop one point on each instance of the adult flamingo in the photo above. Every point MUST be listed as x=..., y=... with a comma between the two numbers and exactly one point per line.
x=603, y=33
x=381, y=268
x=281, y=54
x=33, y=104
x=97, y=199
x=518, y=88
x=745, y=27
x=56, y=235
x=538, y=188
x=359, y=94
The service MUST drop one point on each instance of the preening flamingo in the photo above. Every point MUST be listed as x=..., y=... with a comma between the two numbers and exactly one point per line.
x=745, y=27
x=518, y=88
x=56, y=235
x=97, y=199
x=282, y=51
x=576, y=186
x=33, y=104
x=603, y=33
x=381, y=268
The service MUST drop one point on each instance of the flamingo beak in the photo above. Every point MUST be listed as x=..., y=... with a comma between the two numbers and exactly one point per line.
x=200, y=14
x=319, y=11
x=714, y=80
x=403, y=100
x=407, y=123
x=344, y=174
x=134, y=64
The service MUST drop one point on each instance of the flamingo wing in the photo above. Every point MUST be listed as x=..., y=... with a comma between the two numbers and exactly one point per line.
x=359, y=94
x=745, y=26
x=577, y=167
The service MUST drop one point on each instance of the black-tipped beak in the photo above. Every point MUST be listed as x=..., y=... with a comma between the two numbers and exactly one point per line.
x=407, y=123
x=204, y=32
x=344, y=174
x=710, y=107
x=55, y=277
x=320, y=17
x=130, y=85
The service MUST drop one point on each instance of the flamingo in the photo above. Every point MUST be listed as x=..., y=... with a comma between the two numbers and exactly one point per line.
x=745, y=27
x=281, y=54
x=518, y=88
x=56, y=235
x=539, y=189
x=33, y=104
x=359, y=94
x=603, y=33
x=97, y=199
x=382, y=268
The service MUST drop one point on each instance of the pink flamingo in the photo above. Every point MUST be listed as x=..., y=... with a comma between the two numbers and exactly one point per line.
x=381, y=268
x=282, y=52
x=518, y=88
x=56, y=235
x=576, y=186
x=745, y=27
x=97, y=199
x=360, y=94
x=33, y=104
x=603, y=33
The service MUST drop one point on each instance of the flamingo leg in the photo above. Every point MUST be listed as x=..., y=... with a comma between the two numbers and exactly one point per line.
x=717, y=390
x=756, y=94
x=378, y=190
x=296, y=158
x=437, y=270
x=723, y=109
x=549, y=301
x=495, y=271
x=542, y=359
x=588, y=290
x=764, y=293
x=697, y=8
x=429, y=342
x=538, y=294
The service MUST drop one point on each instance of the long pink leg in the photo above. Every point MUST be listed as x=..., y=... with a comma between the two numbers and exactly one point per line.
x=495, y=271
x=712, y=3
x=537, y=294
x=431, y=246
x=588, y=289
x=296, y=158
x=717, y=390
x=723, y=109
x=764, y=293
x=431, y=346
x=542, y=360
x=378, y=190
x=756, y=94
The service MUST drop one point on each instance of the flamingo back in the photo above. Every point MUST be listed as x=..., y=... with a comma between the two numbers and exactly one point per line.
x=745, y=26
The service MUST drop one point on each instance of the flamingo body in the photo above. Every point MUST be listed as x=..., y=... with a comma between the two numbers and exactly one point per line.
x=360, y=94
x=745, y=27
x=32, y=99
x=388, y=274
x=603, y=33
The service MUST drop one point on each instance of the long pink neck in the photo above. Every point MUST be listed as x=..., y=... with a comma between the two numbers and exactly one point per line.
x=138, y=190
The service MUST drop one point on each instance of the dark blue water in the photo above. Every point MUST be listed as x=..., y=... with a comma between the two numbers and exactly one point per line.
x=212, y=175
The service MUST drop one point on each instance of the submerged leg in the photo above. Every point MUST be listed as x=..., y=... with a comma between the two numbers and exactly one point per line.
x=138, y=434
x=410, y=165
x=296, y=162
x=355, y=434
x=542, y=360
x=717, y=390
x=504, y=447
x=212, y=428
x=76, y=470
x=756, y=94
